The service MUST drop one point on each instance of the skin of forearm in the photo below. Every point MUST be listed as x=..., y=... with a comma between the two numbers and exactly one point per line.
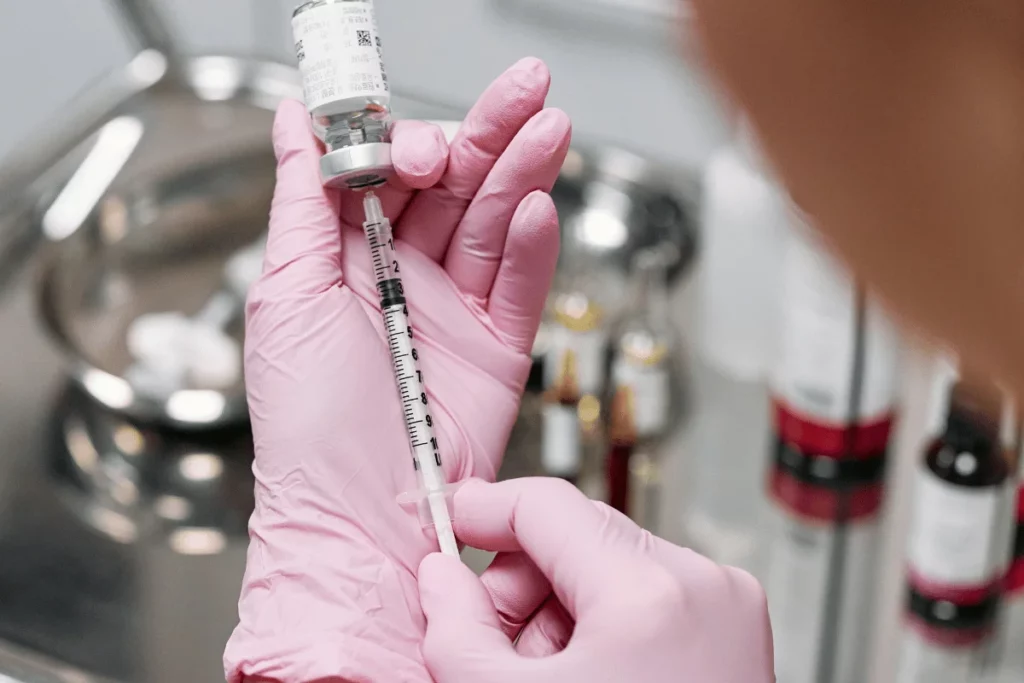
x=899, y=128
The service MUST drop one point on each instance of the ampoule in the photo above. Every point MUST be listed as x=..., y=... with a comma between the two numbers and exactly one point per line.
x=646, y=341
x=561, y=449
x=346, y=89
x=622, y=440
x=643, y=378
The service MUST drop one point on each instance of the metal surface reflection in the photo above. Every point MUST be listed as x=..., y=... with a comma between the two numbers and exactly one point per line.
x=159, y=220
x=195, y=489
x=114, y=145
x=126, y=545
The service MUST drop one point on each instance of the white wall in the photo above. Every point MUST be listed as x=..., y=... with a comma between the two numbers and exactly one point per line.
x=48, y=52
x=617, y=82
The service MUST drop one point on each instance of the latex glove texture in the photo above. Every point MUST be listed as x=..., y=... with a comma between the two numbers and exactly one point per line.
x=635, y=606
x=330, y=591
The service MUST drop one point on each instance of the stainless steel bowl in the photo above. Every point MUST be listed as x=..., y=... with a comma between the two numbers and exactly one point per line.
x=149, y=206
x=613, y=204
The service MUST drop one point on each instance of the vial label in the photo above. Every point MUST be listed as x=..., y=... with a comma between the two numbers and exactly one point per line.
x=589, y=348
x=340, y=58
x=955, y=535
x=652, y=391
x=560, y=443
x=819, y=316
x=801, y=592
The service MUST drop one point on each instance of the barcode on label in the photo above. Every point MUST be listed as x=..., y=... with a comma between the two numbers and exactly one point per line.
x=364, y=39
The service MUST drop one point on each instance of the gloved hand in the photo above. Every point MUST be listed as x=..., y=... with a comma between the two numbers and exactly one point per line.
x=636, y=607
x=330, y=590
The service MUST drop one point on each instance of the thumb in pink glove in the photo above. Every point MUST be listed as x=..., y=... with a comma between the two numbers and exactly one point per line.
x=643, y=608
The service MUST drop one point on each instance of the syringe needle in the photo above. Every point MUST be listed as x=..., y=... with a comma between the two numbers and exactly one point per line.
x=372, y=208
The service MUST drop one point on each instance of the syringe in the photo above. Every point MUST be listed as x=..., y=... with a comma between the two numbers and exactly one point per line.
x=419, y=423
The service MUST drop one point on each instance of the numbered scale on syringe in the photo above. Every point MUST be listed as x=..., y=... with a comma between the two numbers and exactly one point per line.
x=412, y=392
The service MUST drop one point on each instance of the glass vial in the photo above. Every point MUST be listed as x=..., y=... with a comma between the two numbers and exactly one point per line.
x=646, y=343
x=643, y=401
x=561, y=450
x=957, y=550
x=621, y=445
x=346, y=89
x=577, y=328
x=578, y=324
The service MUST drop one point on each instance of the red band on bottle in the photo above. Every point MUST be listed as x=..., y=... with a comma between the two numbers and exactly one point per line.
x=822, y=504
x=958, y=594
x=948, y=637
x=830, y=439
x=1015, y=577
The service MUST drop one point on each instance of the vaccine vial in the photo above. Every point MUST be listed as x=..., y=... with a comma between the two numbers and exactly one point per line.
x=346, y=90
x=958, y=545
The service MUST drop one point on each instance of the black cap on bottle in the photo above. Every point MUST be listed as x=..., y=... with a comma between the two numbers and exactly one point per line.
x=972, y=428
x=972, y=422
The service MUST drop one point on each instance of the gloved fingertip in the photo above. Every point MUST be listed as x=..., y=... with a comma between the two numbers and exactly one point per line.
x=469, y=491
x=530, y=73
x=438, y=575
x=435, y=569
x=555, y=122
x=535, y=212
x=292, y=131
x=419, y=152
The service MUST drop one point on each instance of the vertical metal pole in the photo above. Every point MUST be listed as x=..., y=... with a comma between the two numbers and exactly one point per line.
x=834, y=603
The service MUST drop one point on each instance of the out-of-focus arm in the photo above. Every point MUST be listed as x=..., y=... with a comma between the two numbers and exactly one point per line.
x=899, y=127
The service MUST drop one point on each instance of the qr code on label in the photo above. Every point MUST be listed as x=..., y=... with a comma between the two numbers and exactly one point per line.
x=364, y=39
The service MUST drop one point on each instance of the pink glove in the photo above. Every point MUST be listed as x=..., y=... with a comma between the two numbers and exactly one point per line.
x=643, y=608
x=330, y=591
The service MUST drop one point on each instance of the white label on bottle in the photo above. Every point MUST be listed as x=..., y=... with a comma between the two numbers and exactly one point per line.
x=921, y=661
x=954, y=530
x=589, y=348
x=799, y=588
x=338, y=49
x=652, y=394
x=819, y=317
x=560, y=444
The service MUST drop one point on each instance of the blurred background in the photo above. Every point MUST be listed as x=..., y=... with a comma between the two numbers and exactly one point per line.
x=620, y=61
x=704, y=366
